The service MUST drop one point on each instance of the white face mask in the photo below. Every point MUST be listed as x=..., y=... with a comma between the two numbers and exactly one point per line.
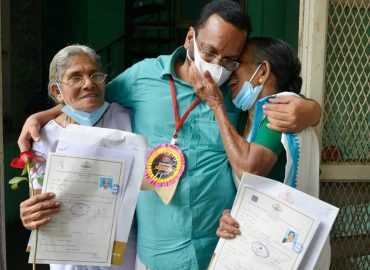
x=219, y=73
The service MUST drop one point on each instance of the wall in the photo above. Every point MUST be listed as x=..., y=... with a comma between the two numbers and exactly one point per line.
x=25, y=29
x=275, y=18
x=93, y=23
x=25, y=82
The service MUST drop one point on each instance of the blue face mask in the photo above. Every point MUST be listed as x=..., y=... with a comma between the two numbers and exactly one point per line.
x=248, y=94
x=85, y=118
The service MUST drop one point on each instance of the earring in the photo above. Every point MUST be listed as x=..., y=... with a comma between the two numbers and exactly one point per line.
x=260, y=80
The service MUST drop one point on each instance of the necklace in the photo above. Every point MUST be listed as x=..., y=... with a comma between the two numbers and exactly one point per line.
x=65, y=121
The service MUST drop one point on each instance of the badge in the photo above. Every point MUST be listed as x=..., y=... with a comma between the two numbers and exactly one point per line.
x=165, y=165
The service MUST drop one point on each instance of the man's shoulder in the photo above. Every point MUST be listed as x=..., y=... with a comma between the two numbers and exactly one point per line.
x=149, y=63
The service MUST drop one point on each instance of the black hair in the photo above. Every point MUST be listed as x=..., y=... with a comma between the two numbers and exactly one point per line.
x=229, y=11
x=284, y=63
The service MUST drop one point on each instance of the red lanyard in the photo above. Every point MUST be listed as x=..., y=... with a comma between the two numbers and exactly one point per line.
x=179, y=121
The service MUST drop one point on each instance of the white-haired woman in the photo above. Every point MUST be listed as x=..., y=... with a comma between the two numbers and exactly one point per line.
x=78, y=84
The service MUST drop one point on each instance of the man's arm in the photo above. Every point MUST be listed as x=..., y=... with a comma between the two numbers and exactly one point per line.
x=32, y=126
x=291, y=113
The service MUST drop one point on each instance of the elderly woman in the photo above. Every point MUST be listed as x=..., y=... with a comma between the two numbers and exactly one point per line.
x=77, y=83
x=268, y=67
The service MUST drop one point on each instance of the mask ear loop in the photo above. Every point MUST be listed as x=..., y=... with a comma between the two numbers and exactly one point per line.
x=60, y=91
x=64, y=101
x=254, y=74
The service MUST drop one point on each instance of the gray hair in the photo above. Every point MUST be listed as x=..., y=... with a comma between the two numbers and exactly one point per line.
x=61, y=59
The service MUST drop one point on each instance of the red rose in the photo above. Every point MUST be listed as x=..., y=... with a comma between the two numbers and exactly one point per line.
x=21, y=161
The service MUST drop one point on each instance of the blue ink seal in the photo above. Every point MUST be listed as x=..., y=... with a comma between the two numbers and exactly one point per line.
x=115, y=189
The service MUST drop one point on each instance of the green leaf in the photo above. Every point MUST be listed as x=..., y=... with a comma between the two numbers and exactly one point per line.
x=29, y=163
x=24, y=172
x=40, y=180
x=17, y=179
x=14, y=186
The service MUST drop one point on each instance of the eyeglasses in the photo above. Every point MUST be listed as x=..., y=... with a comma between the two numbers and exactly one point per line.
x=210, y=57
x=78, y=81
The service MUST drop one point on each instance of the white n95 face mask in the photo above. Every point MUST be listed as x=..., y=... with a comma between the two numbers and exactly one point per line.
x=219, y=73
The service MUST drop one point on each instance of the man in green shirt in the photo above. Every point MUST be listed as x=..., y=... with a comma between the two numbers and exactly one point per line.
x=181, y=235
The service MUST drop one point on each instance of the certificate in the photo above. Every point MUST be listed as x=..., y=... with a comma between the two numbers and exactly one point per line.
x=110, y=143
x=277, y=225
x=83, y=231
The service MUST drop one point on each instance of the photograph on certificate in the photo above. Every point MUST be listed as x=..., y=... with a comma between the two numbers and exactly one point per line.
x=274, y=234
x=83, y=231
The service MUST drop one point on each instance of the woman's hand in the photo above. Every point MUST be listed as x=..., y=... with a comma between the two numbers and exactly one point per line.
x=292, y=113
x=37, y=210
x=229, y=227
x=205, y=88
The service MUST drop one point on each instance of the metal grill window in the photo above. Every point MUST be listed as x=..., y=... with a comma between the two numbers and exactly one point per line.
x=350, y=240
x=347, y=93
x=345, y=136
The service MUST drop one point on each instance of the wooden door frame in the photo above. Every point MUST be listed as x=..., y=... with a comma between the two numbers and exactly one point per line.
x=3, y=7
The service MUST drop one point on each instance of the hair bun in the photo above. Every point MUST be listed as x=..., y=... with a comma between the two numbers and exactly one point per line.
x=295, y=84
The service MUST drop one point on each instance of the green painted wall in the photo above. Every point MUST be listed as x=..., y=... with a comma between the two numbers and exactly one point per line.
x=91, y=22
x=275, y=18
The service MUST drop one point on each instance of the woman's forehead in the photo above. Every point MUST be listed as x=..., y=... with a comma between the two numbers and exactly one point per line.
x=79, y=62
x=245, y=61
x=246, y=54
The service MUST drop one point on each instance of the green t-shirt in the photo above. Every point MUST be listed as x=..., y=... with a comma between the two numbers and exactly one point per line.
x=271, y=139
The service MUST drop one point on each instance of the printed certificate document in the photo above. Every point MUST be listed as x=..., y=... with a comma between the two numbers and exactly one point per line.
x=276, y=229
x=110, y=143
x=83, y=232
x=107, y=151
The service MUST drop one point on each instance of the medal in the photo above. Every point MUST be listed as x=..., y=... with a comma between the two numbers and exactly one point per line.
x=166, y=162
x=165, y=165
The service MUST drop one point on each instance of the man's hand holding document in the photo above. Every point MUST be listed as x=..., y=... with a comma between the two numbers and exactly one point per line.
x=96, y=174
x=281, y=228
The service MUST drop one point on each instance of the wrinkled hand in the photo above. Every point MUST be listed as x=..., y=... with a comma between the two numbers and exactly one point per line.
x=37, y=210
x=205, y=88
x=291, y=113
x=30, y=131
x=229, y=227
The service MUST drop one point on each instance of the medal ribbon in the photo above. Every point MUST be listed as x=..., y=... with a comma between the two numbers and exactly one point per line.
x=179, y=121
